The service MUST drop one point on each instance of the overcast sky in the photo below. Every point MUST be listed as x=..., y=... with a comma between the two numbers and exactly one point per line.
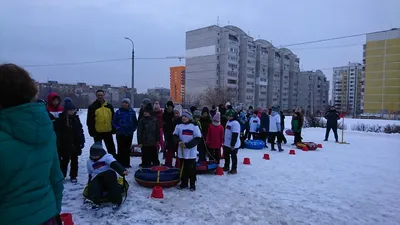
x=49, y=31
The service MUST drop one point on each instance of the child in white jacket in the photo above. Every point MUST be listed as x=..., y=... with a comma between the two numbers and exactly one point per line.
x=254, y=125
x=275, y=128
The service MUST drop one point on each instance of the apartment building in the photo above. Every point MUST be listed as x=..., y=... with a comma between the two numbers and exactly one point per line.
x=159, y=91
x=382, y=72
x=177, y=84
x=256, y=71
x=313, y=89
x=347, y=88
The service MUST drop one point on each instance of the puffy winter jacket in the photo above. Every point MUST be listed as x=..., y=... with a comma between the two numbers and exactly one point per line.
x=215, y=136
x=148, y=133
x=125, y=122
x=264, y=126
x=54, y=111
x=99, y=118
x=31, y=182
x=332, y=116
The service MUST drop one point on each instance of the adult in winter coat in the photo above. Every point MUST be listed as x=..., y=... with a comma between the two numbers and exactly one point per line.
x=54, y=106
x=70, y=140
x=332, y=116
x=125, y=124
x=158, y=113
x=31, y=182
x=168, y=124
x=275, y=129
x=148, y=134
x=264, y=126
x=283, y=127
x=231, y=141
x=297, y=125
x=99, y=122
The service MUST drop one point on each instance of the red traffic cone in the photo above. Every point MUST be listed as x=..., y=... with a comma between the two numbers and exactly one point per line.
x=246, y=161
x=292, y=152
x=219, y=171
x=305, y=148
x=66, y=219
x=319, y=146
x=266, y=156
x=157, y=192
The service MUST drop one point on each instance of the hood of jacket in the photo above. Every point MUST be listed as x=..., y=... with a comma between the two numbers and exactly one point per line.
x=50, y=99
x=28, y=123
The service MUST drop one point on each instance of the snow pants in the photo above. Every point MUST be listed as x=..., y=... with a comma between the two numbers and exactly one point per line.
x=124, y=150
x=107, y=137
x=230, y=154
x=334, y=129
x=150, y=156
x=188, y=168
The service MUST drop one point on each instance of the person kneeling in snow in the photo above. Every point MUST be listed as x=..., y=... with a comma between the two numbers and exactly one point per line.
x=102, y=168
x=187, y=135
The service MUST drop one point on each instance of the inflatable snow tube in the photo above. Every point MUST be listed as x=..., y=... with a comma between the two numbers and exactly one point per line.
x=289, y=132
x=206, y=166
x=310, y=145
x=123, y=185
x=254, y=144
x=163, y=176
x=136, y=151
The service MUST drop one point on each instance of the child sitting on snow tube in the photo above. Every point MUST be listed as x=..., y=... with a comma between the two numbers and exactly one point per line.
x=102, y=169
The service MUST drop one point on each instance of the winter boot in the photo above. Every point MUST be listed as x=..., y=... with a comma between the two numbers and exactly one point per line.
x=326, y=139
x=280, y=147
x=74, y=180
x=233, y=171
x=273, y=147
x=226, y=168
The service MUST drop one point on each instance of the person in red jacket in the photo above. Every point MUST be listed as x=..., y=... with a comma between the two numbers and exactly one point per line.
x=158, y=113
x=54, y=106
x=215, y=138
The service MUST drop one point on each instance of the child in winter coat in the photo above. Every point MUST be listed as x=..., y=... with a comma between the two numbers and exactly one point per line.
x=172, y=147
x=125, y=124
x=187, y=135
x=158, y=113
x=148, y=136
x=231, y=141
x=215, y=138
x=102, y=169
x=297, y=124
x=70, y=140
x=275, y=129
x=54, y=106
x=205, y=121
x=254, y=125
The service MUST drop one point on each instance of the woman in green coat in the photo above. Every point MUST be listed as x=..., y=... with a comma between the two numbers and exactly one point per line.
x=31, y=182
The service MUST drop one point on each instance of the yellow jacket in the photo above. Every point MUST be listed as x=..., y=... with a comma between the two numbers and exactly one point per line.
x=99, y=118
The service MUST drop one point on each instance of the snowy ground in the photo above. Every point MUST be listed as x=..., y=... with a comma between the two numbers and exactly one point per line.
x=352, y=184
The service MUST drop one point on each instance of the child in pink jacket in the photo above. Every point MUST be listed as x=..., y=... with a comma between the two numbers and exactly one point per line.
x=215, y=138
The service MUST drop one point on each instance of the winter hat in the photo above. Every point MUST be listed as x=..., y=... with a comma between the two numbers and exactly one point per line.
x=193, y=108
x=156, y=105
x=231, y=113
x=197, y=114
x=97, y=150
x=275, y=108
x=69, y=106
x=67, y=99
x=187, y=114
x=205, y=109
x=146, y=101
x=170, y=103
x=227, y=104
x=148, y=108
x=217, y=117
x=127, y=100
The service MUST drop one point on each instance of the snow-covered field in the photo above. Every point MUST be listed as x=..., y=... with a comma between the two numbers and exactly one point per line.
x=350, y=184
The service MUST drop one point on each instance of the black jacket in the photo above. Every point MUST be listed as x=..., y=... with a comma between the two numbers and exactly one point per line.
x=264, y=123
x=91, y=116
x=70, y=137
x=332, y=116
x=148, y=132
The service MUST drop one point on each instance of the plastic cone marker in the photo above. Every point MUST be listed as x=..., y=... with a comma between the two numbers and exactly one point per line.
x=219, y=171
x=266, y=156
x=246, y=161
x=292, y=152
x=66, y=219
x=319, y=146
x=157, y=192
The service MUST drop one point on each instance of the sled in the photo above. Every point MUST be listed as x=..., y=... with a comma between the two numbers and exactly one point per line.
x=123, y=185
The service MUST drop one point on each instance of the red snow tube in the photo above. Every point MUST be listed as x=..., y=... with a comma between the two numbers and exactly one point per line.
x=289, y=132
x=136, y=151
x=310, y=145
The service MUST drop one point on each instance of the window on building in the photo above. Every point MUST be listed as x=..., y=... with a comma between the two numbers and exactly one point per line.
x=231, y=81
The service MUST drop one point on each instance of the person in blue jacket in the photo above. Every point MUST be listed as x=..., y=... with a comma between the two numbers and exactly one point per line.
x=31, y=182
x=125, y=123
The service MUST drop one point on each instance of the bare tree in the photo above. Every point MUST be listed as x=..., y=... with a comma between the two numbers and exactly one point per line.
x=192, y=99
x=218, y=95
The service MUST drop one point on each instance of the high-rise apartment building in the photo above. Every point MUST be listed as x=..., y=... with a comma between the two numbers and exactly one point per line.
x=177, y=84
x=257, y=72
x=347, y=88
x=313, y=89
x=382, y=72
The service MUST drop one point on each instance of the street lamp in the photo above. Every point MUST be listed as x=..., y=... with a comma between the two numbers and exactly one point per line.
x=133, y=73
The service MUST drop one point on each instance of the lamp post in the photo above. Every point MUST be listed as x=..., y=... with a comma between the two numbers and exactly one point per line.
x=133, y=73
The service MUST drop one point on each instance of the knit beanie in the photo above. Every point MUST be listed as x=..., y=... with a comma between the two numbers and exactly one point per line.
x=170, y=103
x=148, y=108
x=217, y=117
x=67, y=99
x=187, y=114
x=97, y=150
x=275, y=108
x=231, y=113
x=127, y=100
x=69, y=106
x=197, y=114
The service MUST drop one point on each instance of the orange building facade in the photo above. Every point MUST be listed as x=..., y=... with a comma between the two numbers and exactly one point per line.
x=177, y=84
